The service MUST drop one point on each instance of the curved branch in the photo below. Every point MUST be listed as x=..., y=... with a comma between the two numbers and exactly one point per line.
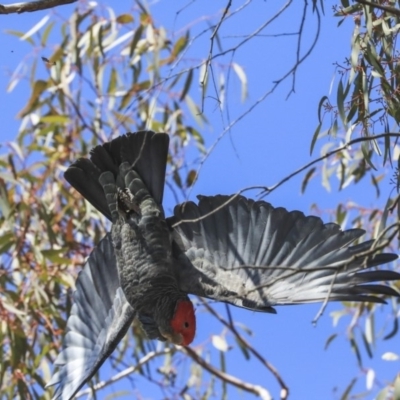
x=267, y=190
x=239, y=337
x=327, y=155
x=248, y=387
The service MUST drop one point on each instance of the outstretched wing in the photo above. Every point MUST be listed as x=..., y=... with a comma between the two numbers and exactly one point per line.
x=146, y=151
x=253, y=255
x=99, y=319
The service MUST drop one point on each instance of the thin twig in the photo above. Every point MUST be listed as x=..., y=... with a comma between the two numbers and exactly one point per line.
x=267, y=190
x=144, y=360
x=270, y=91
x=326, y=300
x=300, y=36
x=210, y=54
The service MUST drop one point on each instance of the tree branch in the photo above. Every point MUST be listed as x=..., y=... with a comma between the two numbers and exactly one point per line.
x=248, y=387
x=32, y=6
x=267, y=190
x=230, y=325
x=392, y=10
x=124, y=373
x=327, y=155
x=275, y=83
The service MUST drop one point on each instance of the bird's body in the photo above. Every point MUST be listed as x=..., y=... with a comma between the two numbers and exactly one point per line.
x=143, y=250
x=226, y=248
x=140, y=234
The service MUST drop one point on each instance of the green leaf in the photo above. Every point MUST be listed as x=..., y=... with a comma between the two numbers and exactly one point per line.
x=55, y=256
x=191, y=178
x=57, y=55
x=136, y=37
x=366, y=345
x=330, y=340
x=177, y=178
x=315, y=137
x=125, y=19
x=340, y=102
x=36, y=27
x=387, y=153
x=356, y=350
x=394, y=330
x=372, y=57
x=342, y=171
x=349, y=388
x=220, y=343
x=333, y=129
x=320, y=105
x=396, y=394
x=112, y=84
x=243, y=80
x=38, y=88
x=46, y=33
x=223, y=369
x=341, y=214
x=243, y=348
x=188, y=83
x=180, y=44
x=195, y=111
x=20, y=34
x=384, y=394
x=370, y=378
x=306, y=179
x=376, y=185
x=367, y=155
x=7, y=241
x=55, y=119
x=385, y=214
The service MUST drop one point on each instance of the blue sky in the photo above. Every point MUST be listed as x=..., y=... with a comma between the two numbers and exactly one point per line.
x=271, y=142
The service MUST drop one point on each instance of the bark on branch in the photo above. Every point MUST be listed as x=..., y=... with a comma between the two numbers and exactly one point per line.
x=32, y=6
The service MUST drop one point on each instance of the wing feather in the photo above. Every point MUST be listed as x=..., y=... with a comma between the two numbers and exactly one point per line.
x=99, y=319
x=256, y=256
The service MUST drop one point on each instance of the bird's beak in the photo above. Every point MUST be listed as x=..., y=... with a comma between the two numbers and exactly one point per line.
x=175, y=338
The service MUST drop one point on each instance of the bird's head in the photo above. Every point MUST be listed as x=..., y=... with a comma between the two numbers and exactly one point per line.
x=183, y=324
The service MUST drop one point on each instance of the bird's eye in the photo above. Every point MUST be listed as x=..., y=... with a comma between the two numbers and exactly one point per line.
x=186, y=324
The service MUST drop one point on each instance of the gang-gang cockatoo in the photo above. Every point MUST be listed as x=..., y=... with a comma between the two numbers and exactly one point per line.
x=227, y=248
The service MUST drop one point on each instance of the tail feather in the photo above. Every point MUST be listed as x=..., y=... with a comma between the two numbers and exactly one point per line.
x=83, y=175
x=145, y=151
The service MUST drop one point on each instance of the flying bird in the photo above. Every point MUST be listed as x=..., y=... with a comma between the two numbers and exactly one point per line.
x=226, y=248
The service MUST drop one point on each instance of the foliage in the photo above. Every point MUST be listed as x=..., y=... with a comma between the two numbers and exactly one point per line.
x=108, y=74
x=365, y=118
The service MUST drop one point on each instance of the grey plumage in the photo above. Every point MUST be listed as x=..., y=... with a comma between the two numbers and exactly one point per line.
x=256, y=256
x=226, y=248
x=124, y=179
x=99, y=319
x=145, y=151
